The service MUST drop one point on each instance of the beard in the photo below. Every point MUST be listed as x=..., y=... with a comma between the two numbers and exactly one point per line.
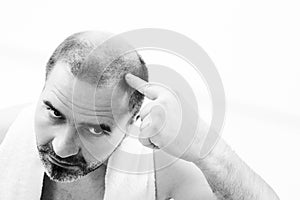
x=74, y=167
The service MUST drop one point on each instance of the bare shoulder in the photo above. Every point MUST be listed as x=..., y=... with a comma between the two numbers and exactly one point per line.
x=179, y=179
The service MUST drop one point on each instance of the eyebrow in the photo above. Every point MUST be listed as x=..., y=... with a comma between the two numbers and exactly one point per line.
x=49, y=104
x=107, y=125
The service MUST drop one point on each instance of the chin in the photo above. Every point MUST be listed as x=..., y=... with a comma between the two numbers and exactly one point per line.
x=66, y=175
x=59, y=172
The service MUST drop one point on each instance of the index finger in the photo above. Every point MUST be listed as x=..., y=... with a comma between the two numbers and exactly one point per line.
x=141, y=86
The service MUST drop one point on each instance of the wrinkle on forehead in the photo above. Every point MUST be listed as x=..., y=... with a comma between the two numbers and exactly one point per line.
x=79, y=110
x=83, y=98
x=80, y=103
x=84, y=102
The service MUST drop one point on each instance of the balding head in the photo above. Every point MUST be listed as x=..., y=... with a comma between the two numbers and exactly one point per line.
x=99, y=60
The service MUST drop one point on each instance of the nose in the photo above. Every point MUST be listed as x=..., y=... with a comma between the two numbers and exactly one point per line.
x=64, y=144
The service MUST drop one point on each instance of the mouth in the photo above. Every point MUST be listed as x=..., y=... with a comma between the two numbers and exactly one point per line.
x=63, y=164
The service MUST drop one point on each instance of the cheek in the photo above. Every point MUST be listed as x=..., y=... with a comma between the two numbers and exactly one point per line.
x=43, y=129
x=100, y=148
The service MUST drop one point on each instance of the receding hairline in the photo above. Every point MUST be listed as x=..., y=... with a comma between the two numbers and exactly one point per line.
x=94, y=48
x=76, y=50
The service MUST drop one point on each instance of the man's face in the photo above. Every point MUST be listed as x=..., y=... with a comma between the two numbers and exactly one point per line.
x=77, y=126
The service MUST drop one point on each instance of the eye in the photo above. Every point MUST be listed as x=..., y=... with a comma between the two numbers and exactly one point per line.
x=55, y=114
x=101, y=129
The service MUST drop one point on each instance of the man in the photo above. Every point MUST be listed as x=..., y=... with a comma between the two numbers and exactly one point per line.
x=90, y=99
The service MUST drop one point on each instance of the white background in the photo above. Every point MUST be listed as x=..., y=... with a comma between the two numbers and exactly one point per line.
x=254, y=44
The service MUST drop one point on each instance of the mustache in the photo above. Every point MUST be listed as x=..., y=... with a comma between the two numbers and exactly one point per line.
x=77, y=159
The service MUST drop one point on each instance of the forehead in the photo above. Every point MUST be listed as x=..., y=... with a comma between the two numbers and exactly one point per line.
x=81, y=96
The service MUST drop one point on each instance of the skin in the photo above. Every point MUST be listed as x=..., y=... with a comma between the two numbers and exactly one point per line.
x=187, y=180
x=228, y=176
x=66, y=140
x=70, y=128
x=220, y=175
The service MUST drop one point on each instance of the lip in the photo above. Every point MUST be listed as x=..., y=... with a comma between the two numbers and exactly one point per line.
x=62, y=164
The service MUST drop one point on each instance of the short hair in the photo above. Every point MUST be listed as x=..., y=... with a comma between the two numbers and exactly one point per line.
x=99, y=63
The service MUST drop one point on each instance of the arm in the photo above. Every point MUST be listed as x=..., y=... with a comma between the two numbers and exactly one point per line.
x=230, y=178
x=163, y=121
x=7, y=116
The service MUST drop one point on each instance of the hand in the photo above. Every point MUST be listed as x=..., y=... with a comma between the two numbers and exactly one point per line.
x=168, y=122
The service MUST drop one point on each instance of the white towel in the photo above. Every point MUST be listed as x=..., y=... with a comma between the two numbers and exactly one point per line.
x=21, y=171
